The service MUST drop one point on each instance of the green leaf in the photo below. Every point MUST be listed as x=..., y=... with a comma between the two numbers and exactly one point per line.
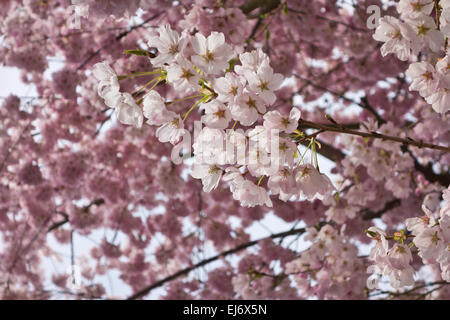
x=231, y=64
x=138, y=52
x=371, y=233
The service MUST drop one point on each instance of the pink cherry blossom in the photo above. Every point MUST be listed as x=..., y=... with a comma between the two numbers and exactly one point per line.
x=224, y=178
x=274, y=120
x=311, y=183
x=396, y=36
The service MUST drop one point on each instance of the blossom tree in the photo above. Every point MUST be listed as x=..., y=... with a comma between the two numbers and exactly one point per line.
x=171, y=128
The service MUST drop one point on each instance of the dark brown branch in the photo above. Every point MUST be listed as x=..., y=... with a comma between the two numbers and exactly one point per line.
x=412, y=291
x=336, y=155
x=56, y=225
x=363, y=104
x=369, y=214
x=141, y=293
x=437, y=9
x=330, y=20
x=428, y=172
x=373, y=135
x=327, y=151
x=265, y=6
x=120, y=36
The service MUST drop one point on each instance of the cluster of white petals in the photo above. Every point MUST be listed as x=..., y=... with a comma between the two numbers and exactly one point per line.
x=239, y=93
x=431, y=237
x=415, y=33
x=432, y=234
x=127, y=111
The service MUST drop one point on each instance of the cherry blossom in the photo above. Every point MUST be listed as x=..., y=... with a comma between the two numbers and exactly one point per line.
x=212, y=53
x=288, y=151
x=154, y=109
x=210, y=176
x=274, y=120
x=169, y=45
x=396, y=36
x=311, y=183
x=171, y=131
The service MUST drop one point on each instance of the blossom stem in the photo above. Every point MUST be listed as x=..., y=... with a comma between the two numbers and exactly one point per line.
x=314, y=154
x=185, y=98
x=139, y=74
x=205, y=98
x=438, y=13
x=260, y=180
x=145, y=86
x=304, y=153
x=157, y=81
x=232, y=128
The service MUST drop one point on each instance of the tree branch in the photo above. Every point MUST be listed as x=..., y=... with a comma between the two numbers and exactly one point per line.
x=120, y=36
x=327, y=151
x=187, y=270
x=369, y=215
x=265, y=6
x=373, y=135
x=364, y=104
x=336, y=155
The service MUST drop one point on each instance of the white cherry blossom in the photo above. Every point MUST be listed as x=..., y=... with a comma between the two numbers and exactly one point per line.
x=396, y=36
x=216, y=115
x=264, y=82
x=247, y=109
x=311, y=183
x=182, y=75
x=209, y=174
x=423, y=78
x=212, y=53
x=250, y=195
x=169, y=45
x=128, y=112
x=108, y=87
x=229, y=88
x=154, y=109
x=171, y=131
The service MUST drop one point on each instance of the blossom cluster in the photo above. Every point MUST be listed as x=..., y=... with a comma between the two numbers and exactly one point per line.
x=330, y=261
x=229, y=92
x=417, y=32
x=431, y=238
x=432, y=233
